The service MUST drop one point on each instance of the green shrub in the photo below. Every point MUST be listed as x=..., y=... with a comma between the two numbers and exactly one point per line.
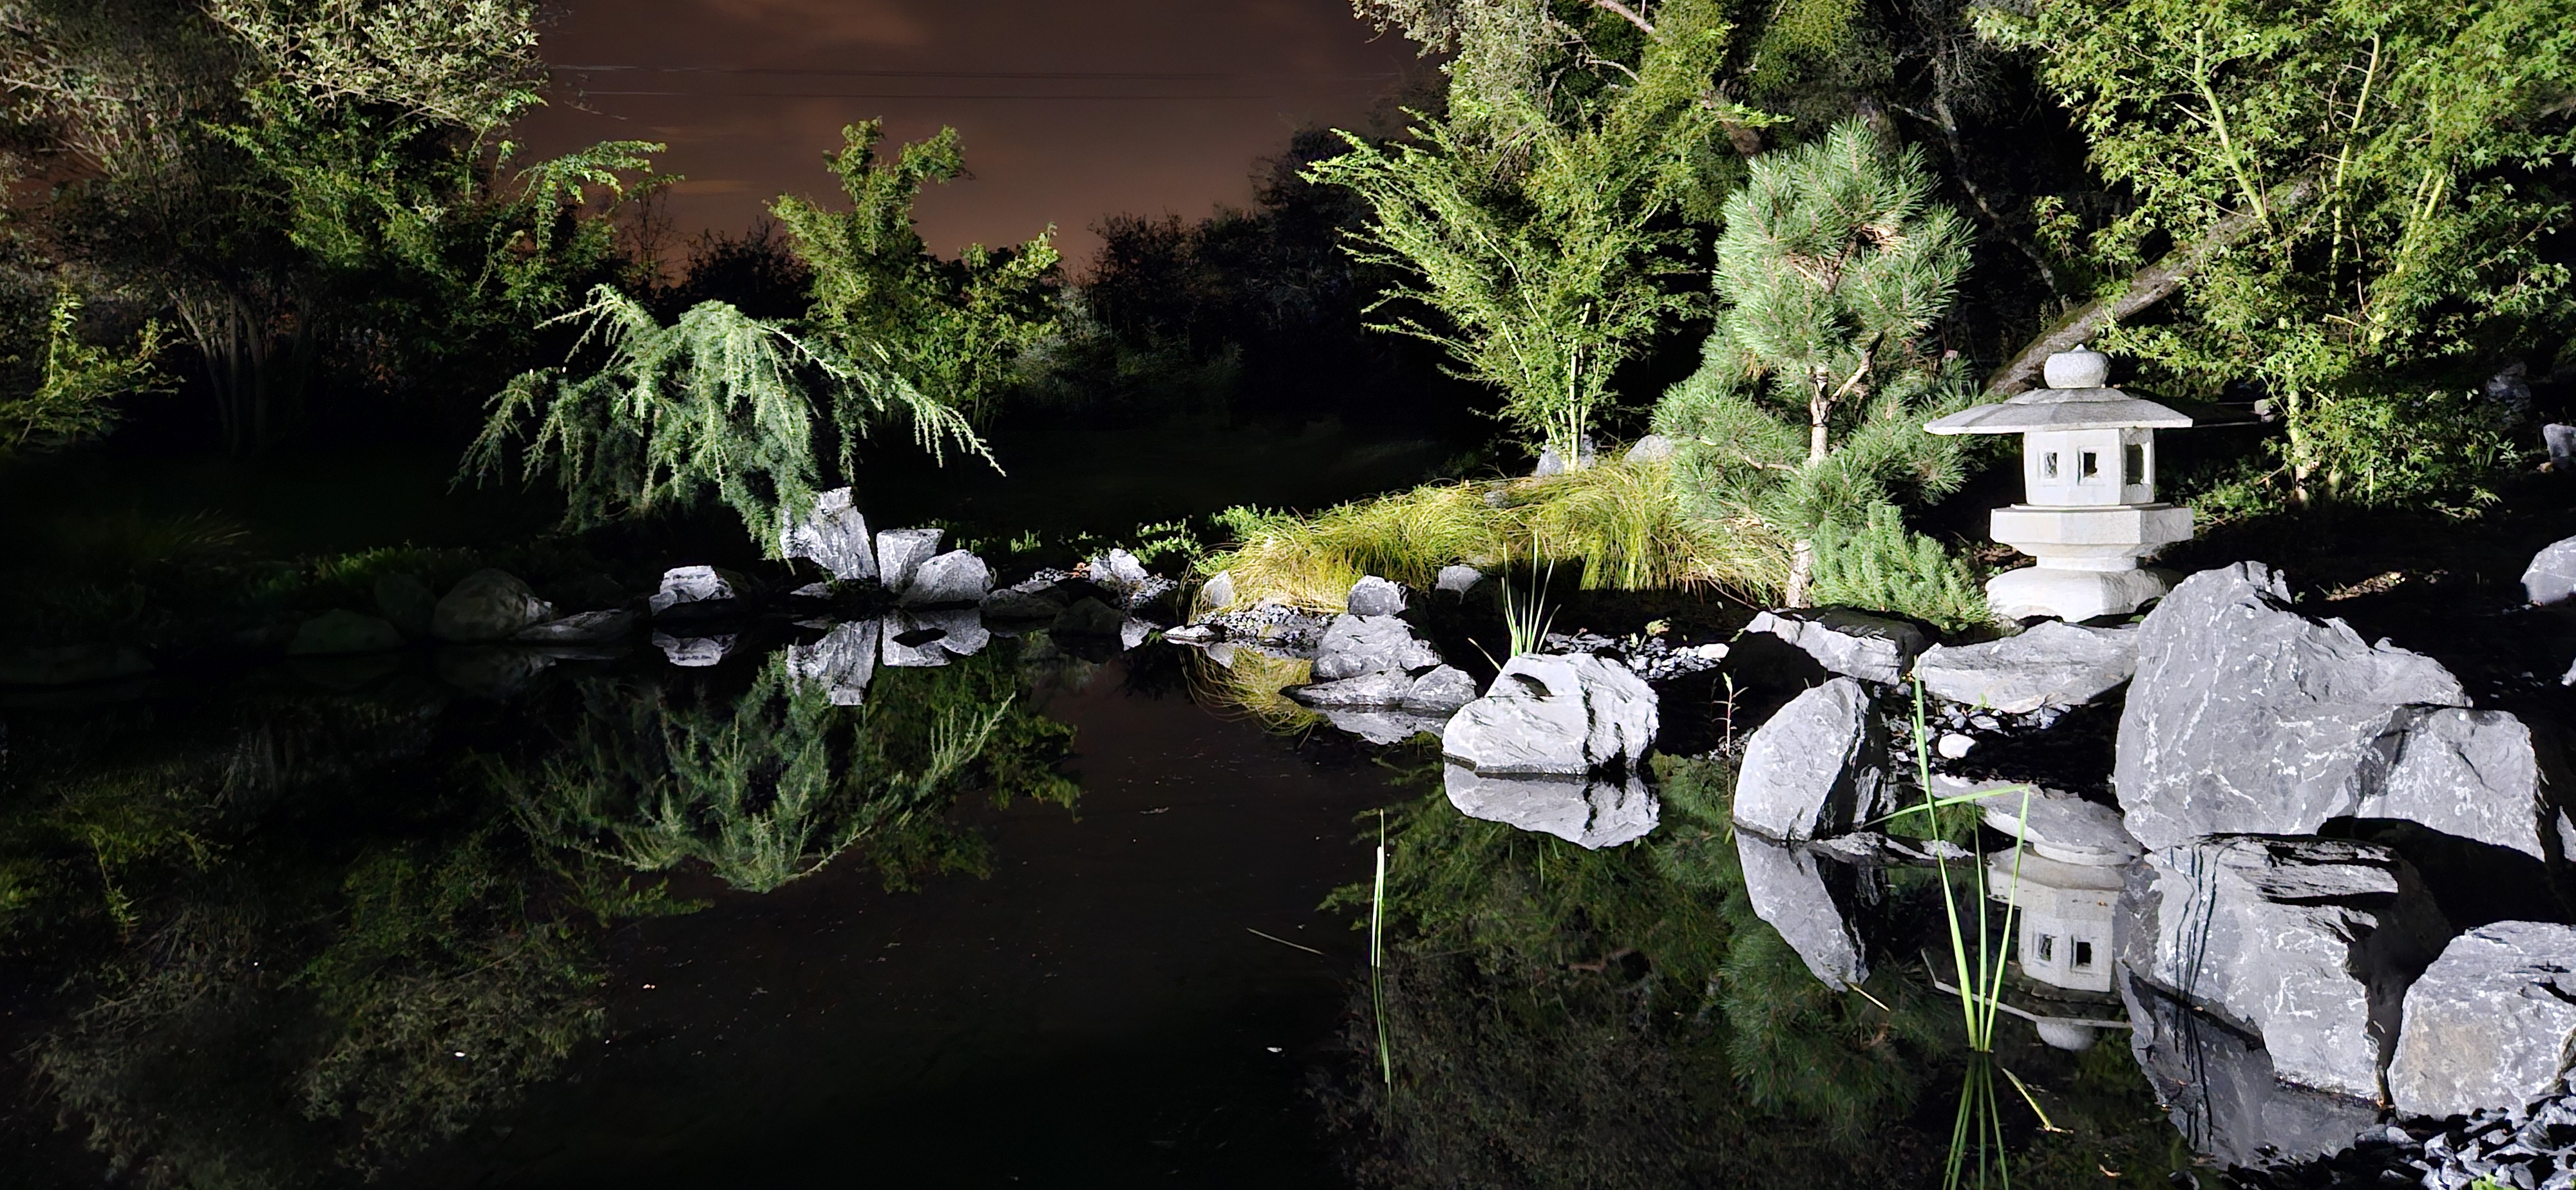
x=1883, y=566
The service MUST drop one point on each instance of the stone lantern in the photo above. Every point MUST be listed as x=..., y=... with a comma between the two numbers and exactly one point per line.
x=2089, y=509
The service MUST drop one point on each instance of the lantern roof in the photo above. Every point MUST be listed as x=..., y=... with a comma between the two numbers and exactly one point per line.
x=2063, y=409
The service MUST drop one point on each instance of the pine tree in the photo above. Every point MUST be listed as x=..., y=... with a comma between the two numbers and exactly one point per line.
x=1809, y=405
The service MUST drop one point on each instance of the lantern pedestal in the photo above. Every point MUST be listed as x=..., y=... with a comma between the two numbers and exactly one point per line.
x=2088, y=559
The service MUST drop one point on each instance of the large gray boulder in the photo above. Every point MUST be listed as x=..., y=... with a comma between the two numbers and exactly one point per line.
x=2217, y=1084
x=1853, y=644
x=952, y=578
x=1788, y=887
x=833, y=536
x=687, y=586
x=2551, y=577
x=1355, y=645
x=2248, y=717
x=1589, y=812
x=900, y=552
x=2050, y=664
x=2491, y=1024
x=406, y=602
x=488, y=605
x=1818, y=767
x=2308, y=944
x=1563, y=714
x=342, y=631
x=842, y=663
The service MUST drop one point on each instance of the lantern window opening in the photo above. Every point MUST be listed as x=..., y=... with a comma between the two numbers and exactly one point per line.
x=2048, y=465
x=2090, y=468
x=2047, y=948
x=2083, y=955
x=2133, y=464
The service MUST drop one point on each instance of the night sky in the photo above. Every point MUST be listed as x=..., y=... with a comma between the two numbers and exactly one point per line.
x=1069, y=111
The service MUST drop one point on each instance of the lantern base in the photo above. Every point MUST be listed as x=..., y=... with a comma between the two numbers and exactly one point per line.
x=2073, y=595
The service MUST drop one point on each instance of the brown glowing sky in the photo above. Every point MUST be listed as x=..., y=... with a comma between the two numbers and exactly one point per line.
x=1069, y=110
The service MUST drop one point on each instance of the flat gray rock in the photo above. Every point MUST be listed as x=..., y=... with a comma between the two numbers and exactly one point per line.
x=1818, y=767
x=2551, y=577
x=2061, y=826
x=1588, y=812
x=833, y=536
x=2248, y=717
x=1562, y=714
x=1853, y=644
x=900, y=552
x=684, y=585
x=1355, y=645
x=1374, y=596
x=2491, y=1024
x=1458, y=580
x=951, y=579
x=1788, y=888
x=343, y=631
x=488, y=605
x=2308, y=944
x=2050, y=664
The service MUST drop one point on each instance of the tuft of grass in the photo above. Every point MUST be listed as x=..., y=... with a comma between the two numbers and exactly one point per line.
x=1624, y=524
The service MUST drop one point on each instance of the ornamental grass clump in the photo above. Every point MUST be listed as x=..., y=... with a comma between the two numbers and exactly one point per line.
x=1625, y=525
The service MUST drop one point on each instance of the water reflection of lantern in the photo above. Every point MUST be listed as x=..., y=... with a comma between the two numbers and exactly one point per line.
x=2089, y=509
x=2064, y=916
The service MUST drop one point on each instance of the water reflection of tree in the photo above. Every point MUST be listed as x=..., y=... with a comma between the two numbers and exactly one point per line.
x=1562, y=1017
x=299, y=935
x=781, y=781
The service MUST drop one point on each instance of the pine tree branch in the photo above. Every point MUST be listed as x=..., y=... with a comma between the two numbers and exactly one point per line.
x=2146, y=287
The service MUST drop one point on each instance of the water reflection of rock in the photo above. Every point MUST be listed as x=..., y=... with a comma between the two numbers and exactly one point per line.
x=1814, y=902
x=1594, y=811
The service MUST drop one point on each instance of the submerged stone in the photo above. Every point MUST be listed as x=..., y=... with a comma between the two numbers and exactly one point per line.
x=842, y=663
x=1788, y=888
